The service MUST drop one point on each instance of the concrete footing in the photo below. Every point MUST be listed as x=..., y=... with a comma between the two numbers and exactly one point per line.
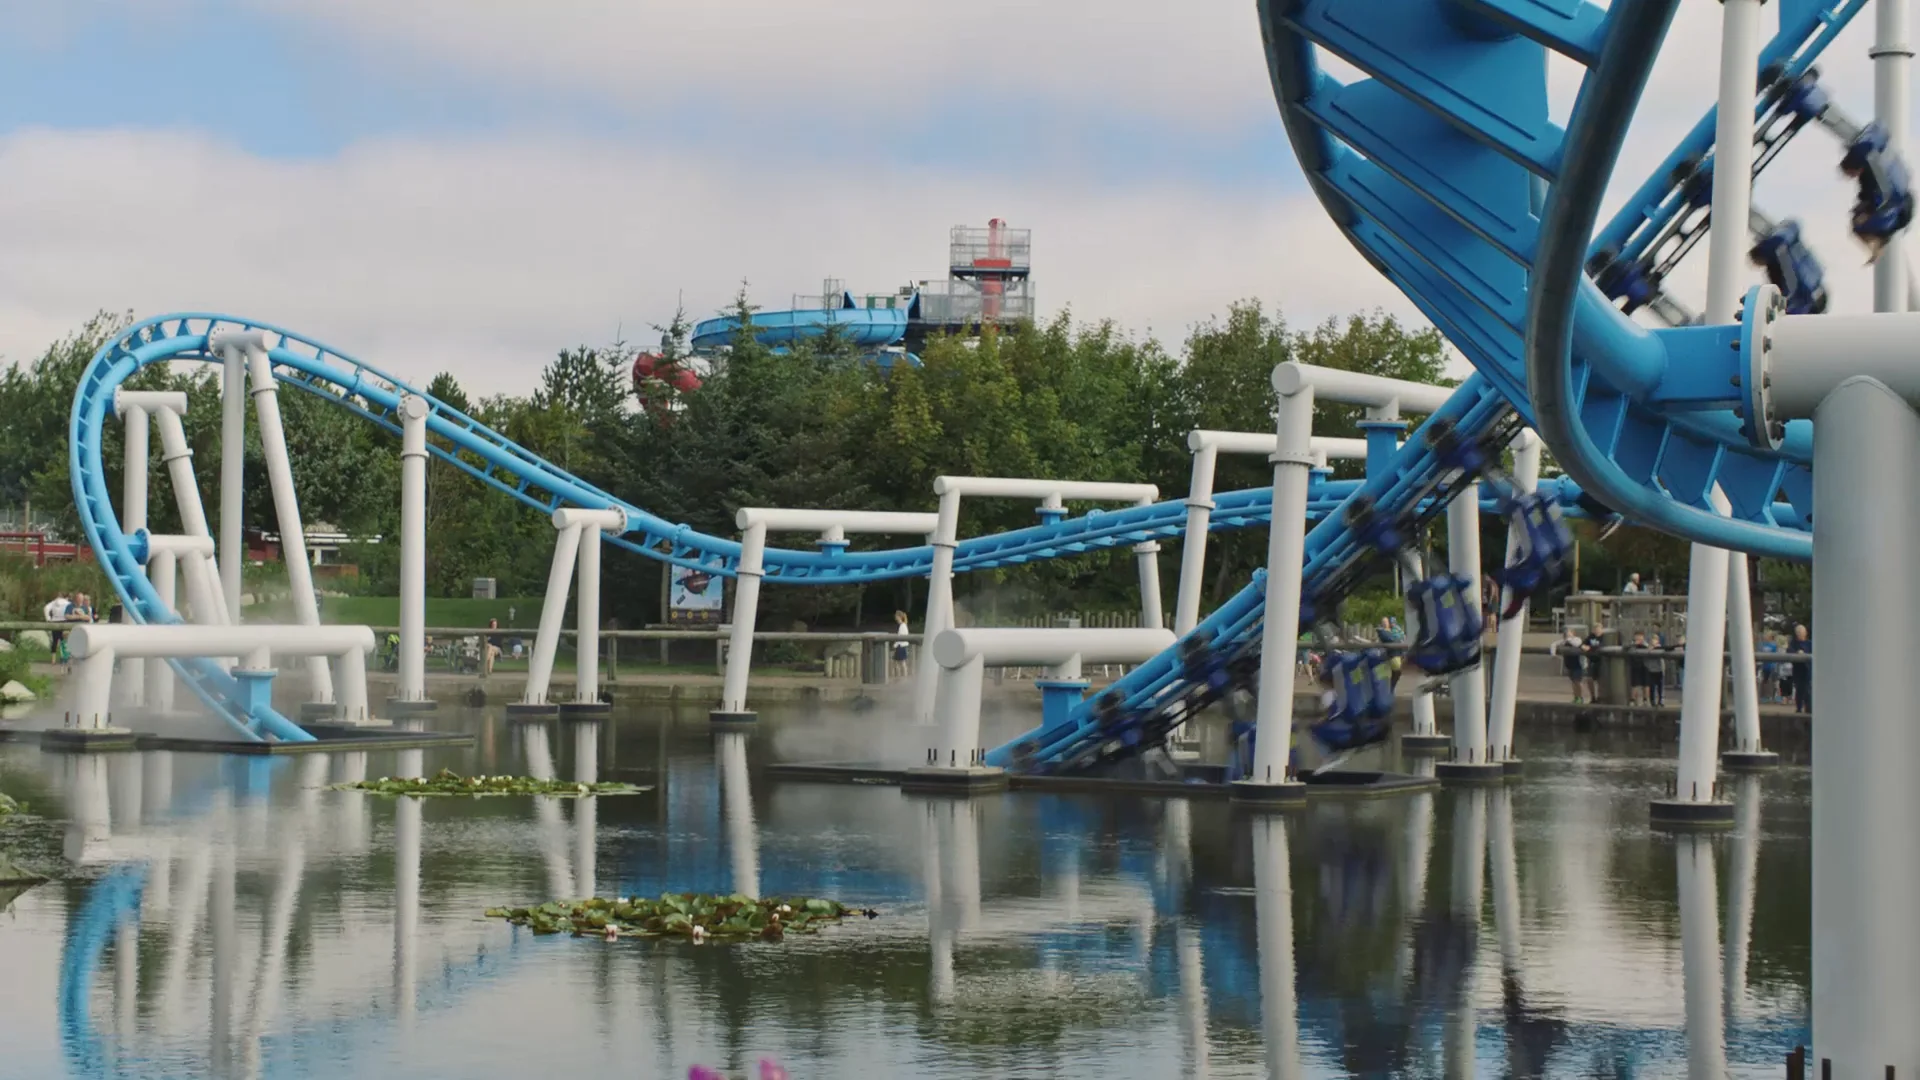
x=1683, y=815
x=1425, y=744
x=1749, y=760
x=409, y=706
x=318, y=710
x=89, y=740
x=532, y=710
x=727, y=718
x=585, y=710
x=1257, y=795
x=1470, y=772
x=1514, y=766
x=965, y=780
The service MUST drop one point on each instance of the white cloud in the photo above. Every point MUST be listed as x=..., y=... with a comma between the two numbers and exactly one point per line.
x=484, y=257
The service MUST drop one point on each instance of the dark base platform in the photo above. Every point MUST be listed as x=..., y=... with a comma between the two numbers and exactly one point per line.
x=1514, y=766
x=522, y=710
x=1255, y=795
x=1470, y=772
x=1749, y=760
x=327, y=739
x=1361, y=784
x=1340, y=784
x=1425, y=744
x=970, y=780
x=407, y=707
x=585, y=710
x=9, y=733
x=318, y=710
x=743, y=718
x=1679, y=815
x=89, y=740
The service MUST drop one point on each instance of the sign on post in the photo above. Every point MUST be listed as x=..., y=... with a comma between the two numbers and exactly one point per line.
x=696, y=597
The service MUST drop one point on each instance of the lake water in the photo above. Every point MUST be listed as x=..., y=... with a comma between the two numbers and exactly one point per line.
x=232, y=917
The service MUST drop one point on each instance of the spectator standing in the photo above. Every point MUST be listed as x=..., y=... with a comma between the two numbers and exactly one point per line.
x=1638, y=691
x=1573, y=661
x=1802, y=673
x=1656, y=673
x=1632, y=587
x=491, y=648
x=1590, y=651
x=898, y=660
x=56, y=612
x=1769, y=670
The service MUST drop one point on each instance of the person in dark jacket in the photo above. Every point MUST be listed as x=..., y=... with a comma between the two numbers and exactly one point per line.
x=1802, y=674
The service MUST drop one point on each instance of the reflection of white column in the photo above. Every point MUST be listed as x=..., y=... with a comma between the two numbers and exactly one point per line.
x=189, y=902
x=1699, y=946
x=1469, y=892
x=939, y=922
x=586, y=812
x=1506, y=878
x=226, y=954
x=1740, y=892
x=1193, y=998
x=1273, y=910
x=275, y=940
x=156, y=787
x=89, y=813
x=546, y=811
x=1416, y=854
x=125, y=773
x=743, y=841
x=126, y=979
x=354, y=834
x=961, y=836
x=406, y=906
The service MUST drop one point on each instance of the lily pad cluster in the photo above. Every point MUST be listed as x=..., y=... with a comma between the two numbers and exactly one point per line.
x=9, y=806
x=448, y=782
x=696, y=917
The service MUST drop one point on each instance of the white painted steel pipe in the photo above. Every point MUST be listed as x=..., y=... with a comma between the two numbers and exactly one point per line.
x=1425, y=721
x=1706, y=641
x=1469, y=687
x=1273, y=918
x=1146, y=557
x=413, y=548
x=1286, y=559
x=1741, y=668
x=746, y=605
x=162, y=570
x=962, y=657
x=1892, y=66
x=778, y=519
x=755, y=522
x=185, y=641
x=1358, y=388
x=93, y=694
x=133, y=518
x=1699, y=892
x=586, y=618
x=1025, y=488
x=553, y=613
x=178, y=457
x=1207, y=446
x=1813, y=354
x=1866, y=867
x=233, y=464
x=1510, y=638
x=1733, y=159
x=286, y=505
x=939, y=601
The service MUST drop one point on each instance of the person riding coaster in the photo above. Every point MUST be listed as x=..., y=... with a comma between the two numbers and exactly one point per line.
x=1792, y=268
x=1547, y=544
x=1358, y=697
x=1884, y=204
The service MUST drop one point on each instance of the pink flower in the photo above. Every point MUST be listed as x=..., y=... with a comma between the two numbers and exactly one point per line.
x=771, y=1071
x=701, y=1072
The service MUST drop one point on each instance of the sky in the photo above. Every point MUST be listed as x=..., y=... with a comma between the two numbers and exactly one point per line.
x=471, y=185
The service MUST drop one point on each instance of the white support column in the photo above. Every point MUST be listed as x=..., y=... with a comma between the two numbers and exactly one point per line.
x=1866, y=868
x=162, y=570
x=1706, y=663
x=133, y=518
x=553, y=615
x=1469, y=687
x=1426, y=724
x=93, y=697
x=1512, y=633
x=1193, y=542
x=1286, y=558
x=178, y=457
x=939, y=603
x=413, y=551
x=233, y=458
x=1746, y=692
x=1733, y=159
x=286, y=505
x=1147, y=557
x=586, y=618
x=1892, y=63
x=746, y=605
x=354, y=706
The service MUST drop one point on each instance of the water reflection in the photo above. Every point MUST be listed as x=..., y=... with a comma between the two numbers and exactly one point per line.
x=1063, y=935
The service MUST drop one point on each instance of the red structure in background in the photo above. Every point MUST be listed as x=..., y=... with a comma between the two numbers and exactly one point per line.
x=34, y=544
x=994, y=267
x=656, y=381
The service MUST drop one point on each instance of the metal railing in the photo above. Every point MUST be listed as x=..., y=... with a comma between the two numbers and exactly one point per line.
x=974, y=246
x=962, y=302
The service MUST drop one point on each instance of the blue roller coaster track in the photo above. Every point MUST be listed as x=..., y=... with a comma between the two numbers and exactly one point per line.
x=1442, y=168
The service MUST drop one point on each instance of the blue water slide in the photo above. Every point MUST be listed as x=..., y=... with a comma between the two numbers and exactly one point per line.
x=868, y=328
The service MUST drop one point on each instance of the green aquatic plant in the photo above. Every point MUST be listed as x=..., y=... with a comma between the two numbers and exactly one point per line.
x=448, y=782
x=697, y=917
x=9, y=806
